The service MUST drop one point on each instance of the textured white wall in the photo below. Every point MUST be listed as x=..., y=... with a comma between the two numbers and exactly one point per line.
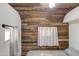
x=10, y=17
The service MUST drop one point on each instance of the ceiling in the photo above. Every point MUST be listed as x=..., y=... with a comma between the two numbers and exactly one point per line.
x=41, y=10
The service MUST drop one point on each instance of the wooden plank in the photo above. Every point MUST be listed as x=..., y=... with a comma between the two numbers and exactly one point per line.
x=66, y=5
x=63, y=40
x=47, y=17
x=24, y=4
x=45, y=11
x=41, y=15
x=29, y=44
x=63, y=37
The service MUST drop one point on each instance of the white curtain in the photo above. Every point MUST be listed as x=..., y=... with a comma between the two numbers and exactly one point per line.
x=47, y=36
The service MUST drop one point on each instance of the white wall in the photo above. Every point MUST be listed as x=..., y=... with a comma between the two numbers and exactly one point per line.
x=74, y=35
x=72, y=18
x=10, y=17
x=72, y=15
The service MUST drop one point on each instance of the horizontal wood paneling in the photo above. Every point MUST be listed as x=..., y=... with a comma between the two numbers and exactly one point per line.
x=35, y=15
x=24, y=4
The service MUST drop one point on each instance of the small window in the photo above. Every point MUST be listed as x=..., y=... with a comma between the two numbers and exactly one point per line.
x=48, y=36
x=7, y=34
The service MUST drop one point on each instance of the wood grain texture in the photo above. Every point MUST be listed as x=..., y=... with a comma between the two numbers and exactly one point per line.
x=34, y=15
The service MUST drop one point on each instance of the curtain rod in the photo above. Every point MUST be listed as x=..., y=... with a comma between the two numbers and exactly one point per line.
x=4, y=25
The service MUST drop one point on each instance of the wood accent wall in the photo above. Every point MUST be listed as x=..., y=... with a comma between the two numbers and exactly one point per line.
x=35, y=15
